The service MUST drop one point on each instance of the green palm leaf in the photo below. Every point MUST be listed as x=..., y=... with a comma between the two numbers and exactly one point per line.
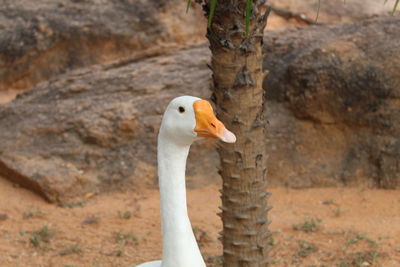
x=395, y=7
x=319, y=6
x=212, y=11
x=248, y=14
x=189, y=2
x=213, y=5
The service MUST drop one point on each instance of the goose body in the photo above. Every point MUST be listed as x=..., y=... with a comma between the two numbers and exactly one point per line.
x=150, y=264
x=186, y=119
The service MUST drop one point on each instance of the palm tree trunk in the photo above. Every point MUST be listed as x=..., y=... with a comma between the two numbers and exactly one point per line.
x=237, y=91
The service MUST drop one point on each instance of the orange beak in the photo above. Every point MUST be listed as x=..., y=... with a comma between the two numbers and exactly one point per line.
x=207, y=125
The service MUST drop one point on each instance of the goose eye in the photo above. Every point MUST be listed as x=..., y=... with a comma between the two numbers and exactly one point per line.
x=181, y=109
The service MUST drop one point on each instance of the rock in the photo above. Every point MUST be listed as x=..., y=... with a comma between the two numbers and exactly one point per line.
x=334, y=106
x=41, y=39
x=95, y=128
x=334, y=10
x=3, y=216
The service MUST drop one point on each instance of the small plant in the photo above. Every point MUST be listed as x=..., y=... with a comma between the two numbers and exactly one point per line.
x=138, y=208
x=394, y=7
x=4, y=234
x=125, y=215
x=43, y=234
x=202, y=236
x=339, y=212
x=328, y=202
x=306, y=248
x=119, y=252
x=22, y=233
x=96, y=263
x=33, y=213
x=359, y=237
x=214, y=261
x=309, y=225
x=336, y=233
x=361, y=259
x=91, y=220
x=73, y=249
x=71, y=205
x=125, y=238
x=272, y=242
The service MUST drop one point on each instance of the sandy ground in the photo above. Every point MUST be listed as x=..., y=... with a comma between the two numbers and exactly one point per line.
x=353, y=227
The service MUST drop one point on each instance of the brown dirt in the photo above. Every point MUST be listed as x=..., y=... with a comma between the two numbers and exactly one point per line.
x=86, y=233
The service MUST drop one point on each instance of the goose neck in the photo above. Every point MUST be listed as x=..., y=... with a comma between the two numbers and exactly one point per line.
x=180, y=248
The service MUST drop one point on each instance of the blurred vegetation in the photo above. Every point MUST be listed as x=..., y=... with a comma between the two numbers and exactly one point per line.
x=213, y=4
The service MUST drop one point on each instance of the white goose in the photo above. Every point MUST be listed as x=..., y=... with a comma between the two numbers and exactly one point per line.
x=186, y=119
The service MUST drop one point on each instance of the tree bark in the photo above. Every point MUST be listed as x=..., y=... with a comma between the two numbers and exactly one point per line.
x=239, y=97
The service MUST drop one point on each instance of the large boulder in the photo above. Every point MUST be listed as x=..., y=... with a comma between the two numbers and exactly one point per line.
x=40, y=39
x=95, y=128
x=333, y=109
x=333, y=10
x=334, y=95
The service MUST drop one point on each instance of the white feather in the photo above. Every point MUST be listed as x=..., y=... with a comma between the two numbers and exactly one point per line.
x=176, y=134
x=150, y=264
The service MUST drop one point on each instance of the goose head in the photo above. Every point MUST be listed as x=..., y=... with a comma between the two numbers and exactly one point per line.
x=188, y=118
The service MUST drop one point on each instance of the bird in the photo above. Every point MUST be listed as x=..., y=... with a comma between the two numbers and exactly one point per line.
x=185, y=120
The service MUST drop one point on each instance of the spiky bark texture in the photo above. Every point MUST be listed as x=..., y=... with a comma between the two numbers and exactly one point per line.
x=238, y=76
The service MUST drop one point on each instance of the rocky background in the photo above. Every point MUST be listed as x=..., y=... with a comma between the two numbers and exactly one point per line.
x=97, y=75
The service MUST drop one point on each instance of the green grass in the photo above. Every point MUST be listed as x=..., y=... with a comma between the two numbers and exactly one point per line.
x=339, y=212
x=272, y=242
x=91, y=220
x=72, y=249
x=309, y=225
x=125, y=215
x=214, y=261
x=40, y=236
x=71, y=205
x=342, y=232
x=125, y=238
x=361, y=259
x=306, y=248
x=359, y=237
x=32, y=213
